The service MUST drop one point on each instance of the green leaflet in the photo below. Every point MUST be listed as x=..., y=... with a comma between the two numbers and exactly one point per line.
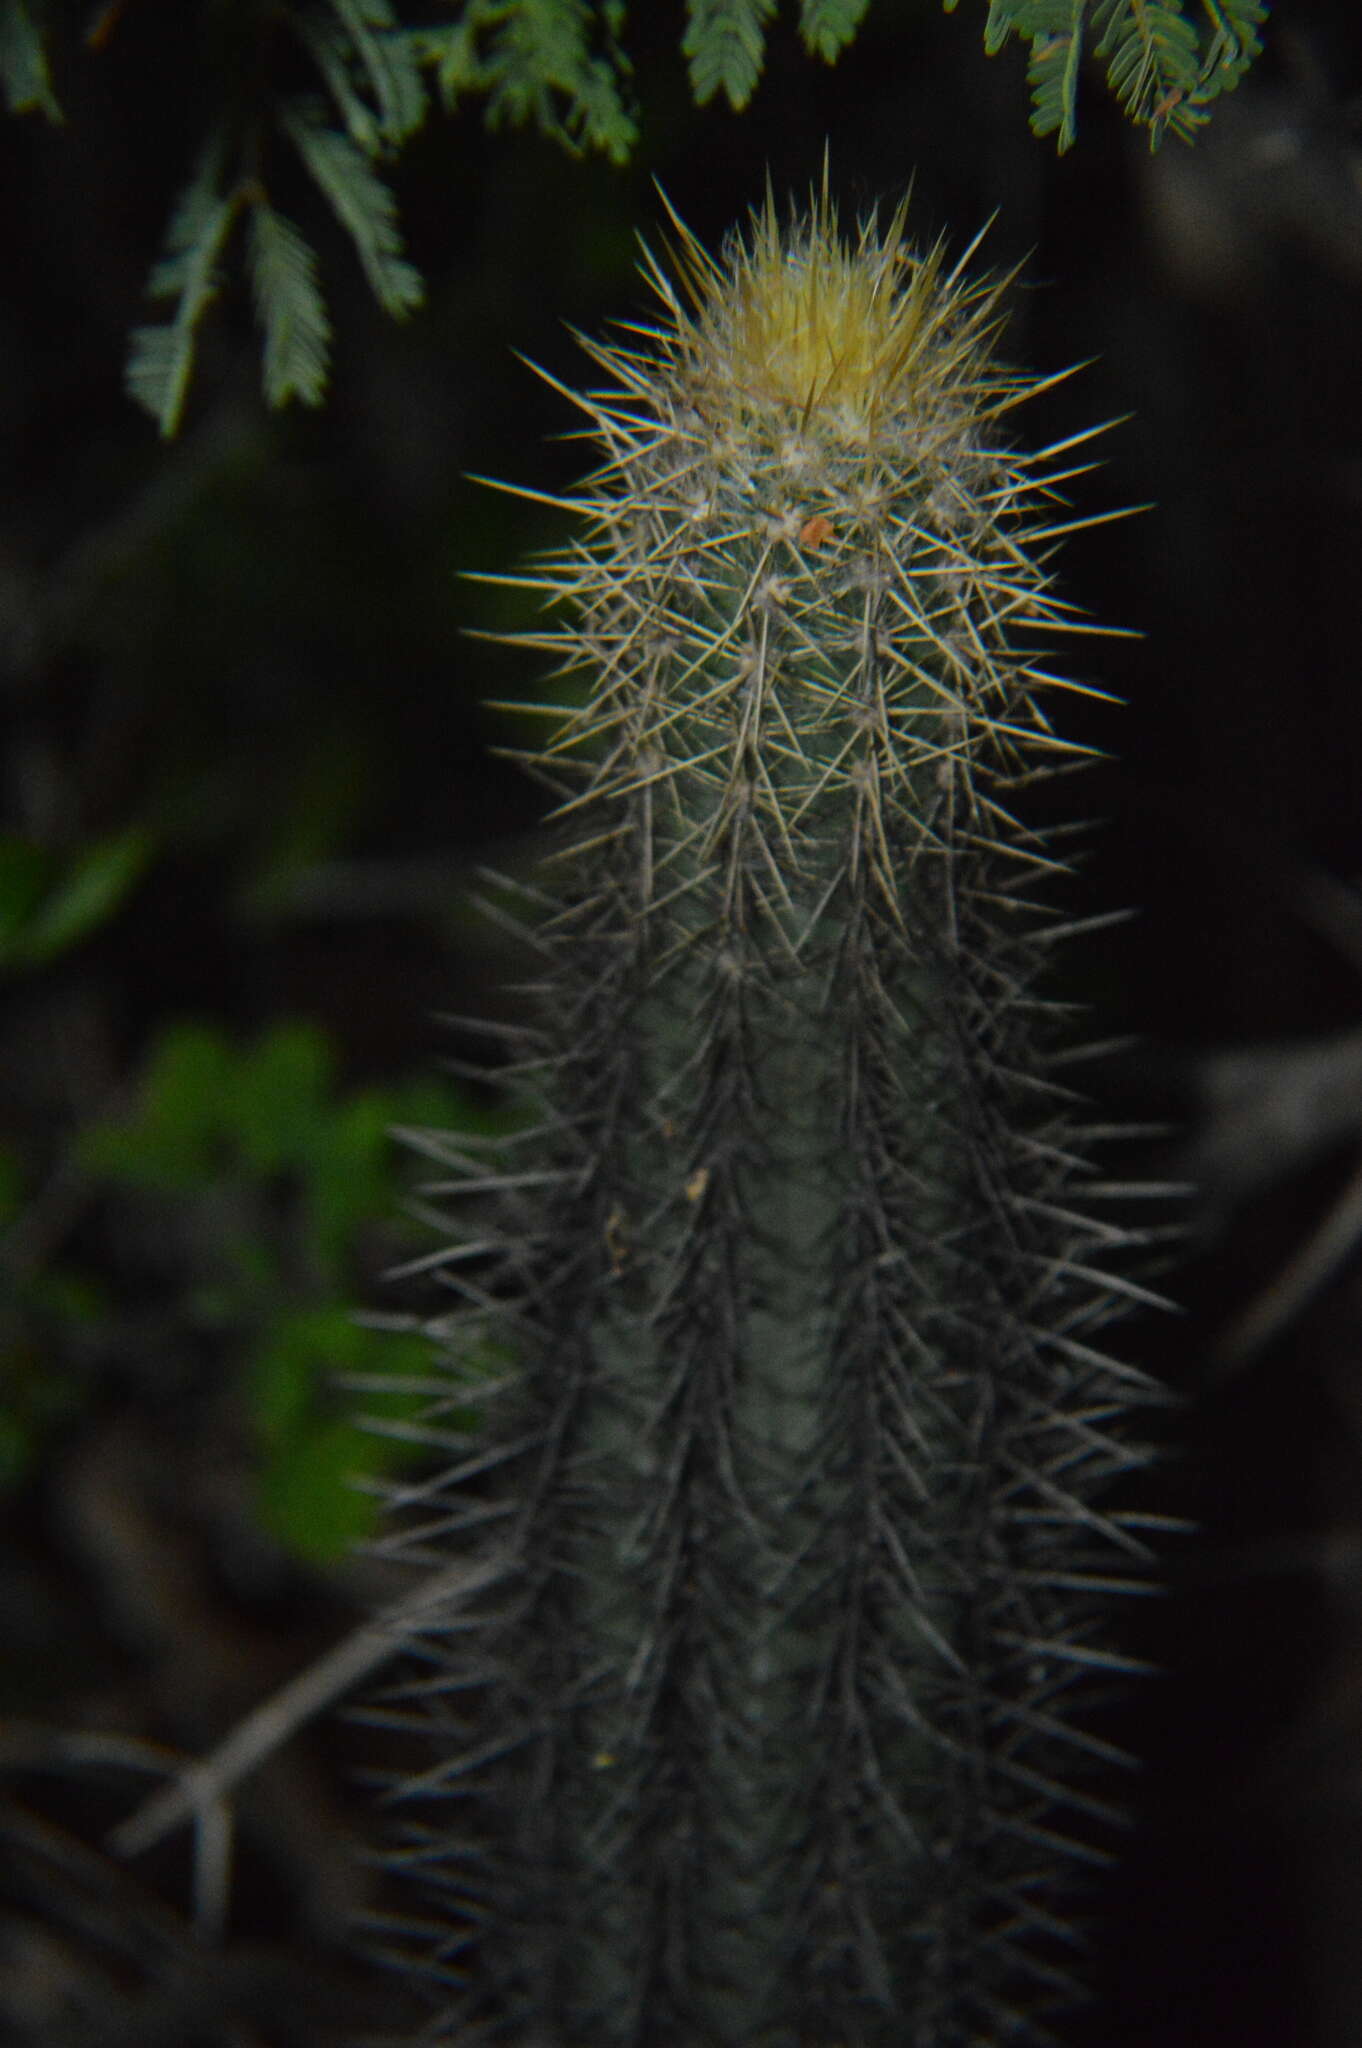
x=290, y=309
x=162, y=358
x=555, y=64
x=1165, y=60
x=23, y=63
x=724, y=44
x=369, y=68
x=365, y=207
x=49, y=905
x=827, y=26
x=383, y=55
x=1165, y=69
x=1053, y=74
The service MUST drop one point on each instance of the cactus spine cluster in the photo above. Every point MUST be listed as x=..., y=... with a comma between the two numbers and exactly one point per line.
x=766, y=1736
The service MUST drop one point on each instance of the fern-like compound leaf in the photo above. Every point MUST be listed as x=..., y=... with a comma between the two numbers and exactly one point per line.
x=1234, y=42
x=161, y=360
x=555, y=64
x=1152, y=56
x=369, y=65
x=370, y=71
x=559, y=65
x=363, y=204
x=23, y=63
x=725, y=43
x=290, y=309
x=827, y=26
x=1237, y=38
x=1056, y=54
x=463, y=53
x=386, y=57
x=1165, y=60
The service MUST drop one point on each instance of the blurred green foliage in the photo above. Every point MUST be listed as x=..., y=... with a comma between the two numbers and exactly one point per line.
x=254, y=1156
x=46, y=1318
x=50, y=902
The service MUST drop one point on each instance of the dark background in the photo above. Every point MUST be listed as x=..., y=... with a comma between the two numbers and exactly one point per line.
x=250, y=642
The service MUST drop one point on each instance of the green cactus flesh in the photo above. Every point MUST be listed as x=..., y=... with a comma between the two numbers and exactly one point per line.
x=769, y=1734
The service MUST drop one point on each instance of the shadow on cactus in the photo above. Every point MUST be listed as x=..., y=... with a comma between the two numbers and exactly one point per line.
x=772, y=1728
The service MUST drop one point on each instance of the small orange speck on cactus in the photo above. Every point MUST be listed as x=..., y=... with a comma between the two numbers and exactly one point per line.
x=815, y=531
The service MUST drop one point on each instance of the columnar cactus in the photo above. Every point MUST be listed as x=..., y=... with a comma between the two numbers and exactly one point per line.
x=766, y=1734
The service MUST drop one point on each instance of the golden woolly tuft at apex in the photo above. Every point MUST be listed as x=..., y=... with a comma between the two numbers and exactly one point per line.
x=804, y=317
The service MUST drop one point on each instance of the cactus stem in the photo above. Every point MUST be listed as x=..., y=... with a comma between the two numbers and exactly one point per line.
x=771, y=1733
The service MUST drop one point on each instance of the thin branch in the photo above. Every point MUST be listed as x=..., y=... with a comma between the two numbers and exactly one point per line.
x=201, y=1786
